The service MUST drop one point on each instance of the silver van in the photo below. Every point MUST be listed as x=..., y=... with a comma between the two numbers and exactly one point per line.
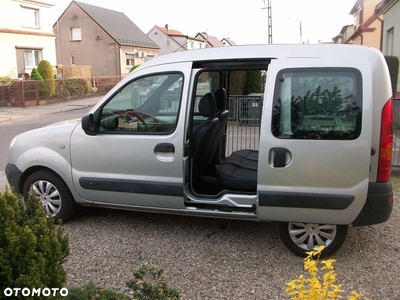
x=322, y=160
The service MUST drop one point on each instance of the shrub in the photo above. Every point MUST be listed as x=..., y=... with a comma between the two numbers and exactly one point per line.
x=393, y=65
x=133, y=68
x=156, y=288
x=236, y=82
x=5, y=79
x=35, y=75
x=252, y=83
x=90, y=291
x=150, y=287
x=312, y=288
x=32, y=247
x=46, y=71
x=74, y=87
x=30, y=88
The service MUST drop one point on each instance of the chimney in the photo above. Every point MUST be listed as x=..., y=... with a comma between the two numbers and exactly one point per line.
x=166, y=26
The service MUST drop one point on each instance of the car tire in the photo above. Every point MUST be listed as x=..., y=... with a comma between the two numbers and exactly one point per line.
x=52, y=191
x=304, y=237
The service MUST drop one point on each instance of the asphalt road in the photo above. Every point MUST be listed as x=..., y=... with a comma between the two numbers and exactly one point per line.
x=14, y=127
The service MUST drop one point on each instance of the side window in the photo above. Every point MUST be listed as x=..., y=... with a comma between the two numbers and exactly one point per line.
x=323, y=103
x=146, y=105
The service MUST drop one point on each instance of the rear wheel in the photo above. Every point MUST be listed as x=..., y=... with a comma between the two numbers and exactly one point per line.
x=304, y=237
x=52, y=191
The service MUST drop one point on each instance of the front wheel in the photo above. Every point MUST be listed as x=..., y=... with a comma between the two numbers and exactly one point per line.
x=52, y=191
x=304, y=237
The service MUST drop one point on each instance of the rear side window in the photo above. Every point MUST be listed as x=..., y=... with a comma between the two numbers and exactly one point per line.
x=317, y=103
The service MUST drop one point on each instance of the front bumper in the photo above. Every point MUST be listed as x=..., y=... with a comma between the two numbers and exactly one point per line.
x=13, y=175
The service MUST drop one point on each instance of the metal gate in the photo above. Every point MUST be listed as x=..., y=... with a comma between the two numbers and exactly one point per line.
x=244, y=125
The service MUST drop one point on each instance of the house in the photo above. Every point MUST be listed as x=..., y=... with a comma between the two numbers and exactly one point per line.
x=228, y=42
x=344, y=34
x=391, y=29
x=368, y=24
x=171, y=40
x=26, y=36
x=195, y=43
x=211, y=41
x=105, y=39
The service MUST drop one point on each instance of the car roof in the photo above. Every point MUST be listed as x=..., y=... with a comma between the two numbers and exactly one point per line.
x=261, y=52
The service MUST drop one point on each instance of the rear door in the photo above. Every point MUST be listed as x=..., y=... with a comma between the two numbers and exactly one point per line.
x=315, y=143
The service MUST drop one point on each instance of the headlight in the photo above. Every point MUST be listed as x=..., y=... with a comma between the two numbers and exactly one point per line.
x=12, y=143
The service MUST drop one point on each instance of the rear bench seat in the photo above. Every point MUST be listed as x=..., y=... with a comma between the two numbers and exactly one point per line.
x=239, y=170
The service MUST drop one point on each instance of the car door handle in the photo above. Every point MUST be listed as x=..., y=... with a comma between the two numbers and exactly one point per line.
x=164, y=147
x=281, y=157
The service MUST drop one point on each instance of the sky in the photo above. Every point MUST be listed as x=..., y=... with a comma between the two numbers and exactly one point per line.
x=243, y=21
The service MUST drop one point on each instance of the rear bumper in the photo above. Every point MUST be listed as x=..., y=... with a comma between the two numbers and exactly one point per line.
x=378, y=206
x=13, y=175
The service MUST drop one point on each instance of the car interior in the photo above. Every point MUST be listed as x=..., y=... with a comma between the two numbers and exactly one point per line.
x=212, y=172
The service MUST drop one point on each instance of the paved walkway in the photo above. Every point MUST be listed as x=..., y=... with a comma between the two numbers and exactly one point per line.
x=16, y=113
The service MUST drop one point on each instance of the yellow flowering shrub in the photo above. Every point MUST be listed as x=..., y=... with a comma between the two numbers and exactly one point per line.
x=314, y=287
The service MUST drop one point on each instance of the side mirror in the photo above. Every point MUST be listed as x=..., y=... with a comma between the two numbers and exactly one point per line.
x=91, y=123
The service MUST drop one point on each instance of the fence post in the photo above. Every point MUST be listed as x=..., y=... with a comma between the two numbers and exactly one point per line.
x=23, y=93
x=37, y=91
x=59, y=88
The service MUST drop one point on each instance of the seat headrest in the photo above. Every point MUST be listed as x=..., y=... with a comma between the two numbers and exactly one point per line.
x=207, y=106
x=221, y=98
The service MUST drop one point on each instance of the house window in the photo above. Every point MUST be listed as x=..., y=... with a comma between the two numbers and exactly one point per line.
x=30, y=17
x=75, y=33
x=130, y=60
x=72, y=60
x=389, y=41
x=32, y=58
x=360, y=16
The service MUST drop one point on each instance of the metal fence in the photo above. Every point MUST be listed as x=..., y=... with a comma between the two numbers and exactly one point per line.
x=244, y=123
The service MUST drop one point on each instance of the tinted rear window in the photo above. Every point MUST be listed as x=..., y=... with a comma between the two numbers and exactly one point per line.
x=318, y=103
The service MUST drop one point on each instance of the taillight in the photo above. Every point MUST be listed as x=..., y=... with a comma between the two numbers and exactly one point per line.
x=385, y=146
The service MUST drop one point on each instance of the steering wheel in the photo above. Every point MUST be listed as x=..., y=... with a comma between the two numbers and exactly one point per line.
x=130, y=113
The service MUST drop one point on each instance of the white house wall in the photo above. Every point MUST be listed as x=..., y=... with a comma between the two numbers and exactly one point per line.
x=165, y=42
x=14, y=33
x=11, y=15
x=392, y=22
x=9, y=43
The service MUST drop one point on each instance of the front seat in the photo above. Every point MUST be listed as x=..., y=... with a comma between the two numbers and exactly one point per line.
x=221, y=99
x=203, y=136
